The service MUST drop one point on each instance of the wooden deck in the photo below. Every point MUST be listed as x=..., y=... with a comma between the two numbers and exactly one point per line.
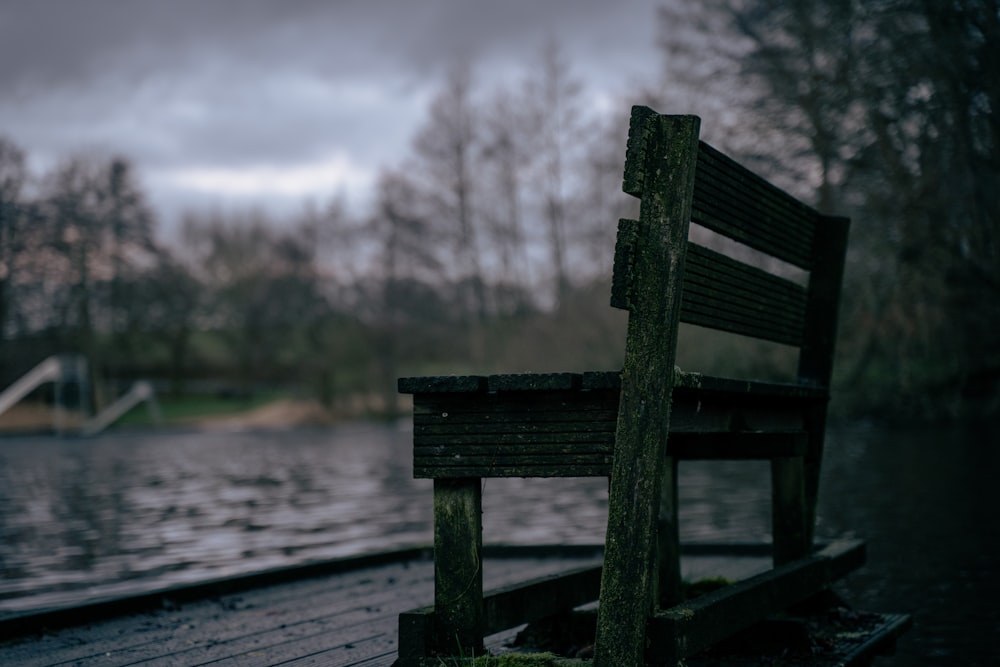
x=338, y=613
x=346, y=615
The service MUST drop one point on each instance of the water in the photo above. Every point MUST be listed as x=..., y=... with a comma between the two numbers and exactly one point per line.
x=927, y=503
x=128, y=512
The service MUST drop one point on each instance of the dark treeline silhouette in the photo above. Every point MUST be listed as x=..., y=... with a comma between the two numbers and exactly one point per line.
x=887, y=110
x=489, y=247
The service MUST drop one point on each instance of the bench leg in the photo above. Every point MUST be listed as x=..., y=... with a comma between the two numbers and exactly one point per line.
x=788, y=507
x=458, y=572
x=668, y=539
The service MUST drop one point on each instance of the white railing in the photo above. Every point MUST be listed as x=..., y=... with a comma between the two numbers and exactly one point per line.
x=47, y=371
x=140, y=391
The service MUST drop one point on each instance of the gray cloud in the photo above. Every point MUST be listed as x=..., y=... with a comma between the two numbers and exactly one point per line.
x=224, y=83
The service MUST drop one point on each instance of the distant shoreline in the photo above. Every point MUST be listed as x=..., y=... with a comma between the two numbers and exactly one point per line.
x=34, y=418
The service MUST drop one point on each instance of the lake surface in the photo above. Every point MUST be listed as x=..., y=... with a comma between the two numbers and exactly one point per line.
x=126, y=512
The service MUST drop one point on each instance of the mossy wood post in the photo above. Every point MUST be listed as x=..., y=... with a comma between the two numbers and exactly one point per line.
x=819, y=340
x=458, y=572
x=659, y=168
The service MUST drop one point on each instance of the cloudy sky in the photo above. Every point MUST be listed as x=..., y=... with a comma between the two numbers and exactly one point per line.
x=239, y=103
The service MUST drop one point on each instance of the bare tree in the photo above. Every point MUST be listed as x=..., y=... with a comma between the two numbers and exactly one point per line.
x=445, y=149
x=889, y=110
x=406, y=305
x=130, y=238
x=172, y=302
x=553, y=96
x=13, y=175
x=263, y=285
x=505, y=157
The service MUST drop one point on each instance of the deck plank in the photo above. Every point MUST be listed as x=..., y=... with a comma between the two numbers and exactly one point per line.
x=347, y=617
x=340, y=619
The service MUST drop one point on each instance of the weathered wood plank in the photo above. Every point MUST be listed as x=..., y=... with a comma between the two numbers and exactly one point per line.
x=733, y=201
x=788, y=506
x=261, y=622
x=533, y=600
x=690, y=627
x=721, y=292
x=458, y=568
x=535, y=382
x=440, y=384
x=603, y=385
x=816, y=358
x=578, y=469
x=628, y=585
x=751, y=445
x=504, y=434
x=514, y=405
x=293, y=619
x=513, y=433
x=696, y=384
x=668, y=546
x=507, y=418
x=15, y=624
x=233, y=624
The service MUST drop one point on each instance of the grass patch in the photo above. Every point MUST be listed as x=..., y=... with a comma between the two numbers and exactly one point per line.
x=184, y=408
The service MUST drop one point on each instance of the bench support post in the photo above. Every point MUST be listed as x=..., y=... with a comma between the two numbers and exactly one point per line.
x=788, y=510
x=668, y=538
x=659, y=167
x=458, y=571
x=816, y=358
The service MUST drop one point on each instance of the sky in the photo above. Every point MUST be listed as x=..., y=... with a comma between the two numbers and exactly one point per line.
x=239, y=104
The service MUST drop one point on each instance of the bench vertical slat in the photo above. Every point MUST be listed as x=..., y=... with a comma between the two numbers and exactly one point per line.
x=458, y=571
x=819, y=340
x=628, y=583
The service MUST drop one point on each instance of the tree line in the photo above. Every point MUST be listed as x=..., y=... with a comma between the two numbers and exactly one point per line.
x=489, y=246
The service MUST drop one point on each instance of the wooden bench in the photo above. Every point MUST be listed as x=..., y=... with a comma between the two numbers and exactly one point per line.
x=635, y=426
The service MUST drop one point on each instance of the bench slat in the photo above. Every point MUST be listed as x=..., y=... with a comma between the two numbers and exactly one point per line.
x=733, y=201
x=531, y=437
x=722, y=293
x=567, y=469
x=696, y=625
x=458, y=427
x=593, y=466
x=598, y=385
x=752, y=445
x=498, y=423
x=586, y=459
x=712, y=270
x=538, y=432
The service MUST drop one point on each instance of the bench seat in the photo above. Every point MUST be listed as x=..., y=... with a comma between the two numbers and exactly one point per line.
x=563, y=424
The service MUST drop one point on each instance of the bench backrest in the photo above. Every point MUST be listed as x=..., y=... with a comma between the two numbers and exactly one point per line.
x=729, y=295
x=662, y=279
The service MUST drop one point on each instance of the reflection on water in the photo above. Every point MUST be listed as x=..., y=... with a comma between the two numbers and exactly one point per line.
x=123, y=512
x=127, y=512
x=130, y=511
x=926, y=502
